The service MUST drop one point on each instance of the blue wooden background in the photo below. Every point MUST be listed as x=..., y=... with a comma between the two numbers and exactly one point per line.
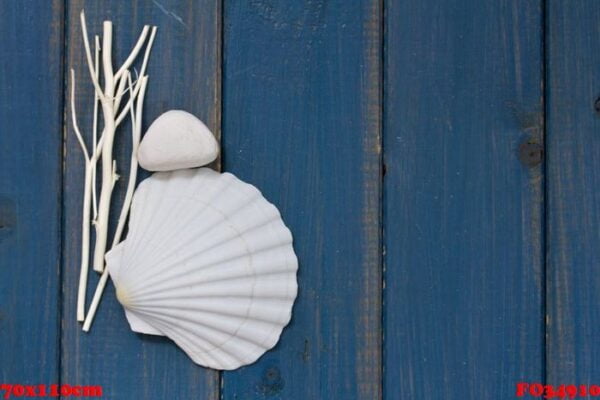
x=437, y=162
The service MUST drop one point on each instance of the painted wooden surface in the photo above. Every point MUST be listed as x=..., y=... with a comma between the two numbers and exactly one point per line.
x=464, y=274
x=184, y=72
x=30, y=176
x=470, y=265
x=573, y=165
x=301, y=113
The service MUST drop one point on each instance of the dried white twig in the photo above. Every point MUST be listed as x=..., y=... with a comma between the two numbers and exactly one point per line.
x=110, y=103
x=95, y=131
x=85, y=225
x=120, y=93
x=88, y=55
x=116, y=86
x=134, y=53
x=136, y=121
x=107, y=157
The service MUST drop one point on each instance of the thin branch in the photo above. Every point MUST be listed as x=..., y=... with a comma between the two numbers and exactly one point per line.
x=109, y=78
x=74, y=118
x=95, y=129
x=115, y=177
x=120, y=92
x=88, y=54
x=132, y=114
x=85, y=244
x=85, y=224
x=134, y=52
x=132, y=95
x=148, y=50
x=89, y=318
x=107, y=149
x=125, y=109
x=136, y=119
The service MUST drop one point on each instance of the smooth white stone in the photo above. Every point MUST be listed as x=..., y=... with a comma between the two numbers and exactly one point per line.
x=177, y=140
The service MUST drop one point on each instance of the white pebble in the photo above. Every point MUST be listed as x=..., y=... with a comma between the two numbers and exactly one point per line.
x=177, y=140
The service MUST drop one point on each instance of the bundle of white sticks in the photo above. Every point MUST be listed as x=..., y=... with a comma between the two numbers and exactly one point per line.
x=116, y=86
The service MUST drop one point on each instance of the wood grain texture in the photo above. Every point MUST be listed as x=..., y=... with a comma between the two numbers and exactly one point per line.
x=463, y=222
x=31, y=48
x=184, y=72
x=573, y=165
x=301, y=119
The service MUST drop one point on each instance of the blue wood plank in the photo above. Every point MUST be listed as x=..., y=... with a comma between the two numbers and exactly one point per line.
x=302, y=122
x=31, y=45
x=573, y=178
x=184, y=72
x=463, y=221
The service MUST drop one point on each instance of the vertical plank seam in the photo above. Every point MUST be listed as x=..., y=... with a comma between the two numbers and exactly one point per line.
x=62, y=158
x=382, y=197
x=372, y=217
x=545, y=296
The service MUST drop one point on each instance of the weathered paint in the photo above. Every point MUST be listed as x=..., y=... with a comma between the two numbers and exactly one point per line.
x=184, y=71
x=463, y=205
x=463, y=222
x=31, y=49
x=573, y=219
x=302, y=122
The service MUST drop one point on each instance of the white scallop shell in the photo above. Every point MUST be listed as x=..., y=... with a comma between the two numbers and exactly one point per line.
x=209, y=263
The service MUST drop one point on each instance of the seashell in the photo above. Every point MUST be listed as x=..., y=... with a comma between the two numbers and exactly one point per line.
x=209, y=263
x=177, y=140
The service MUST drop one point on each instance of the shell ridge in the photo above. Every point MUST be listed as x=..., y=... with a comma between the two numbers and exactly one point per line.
x=201, y=285
x=204, y=232
x=236, y=266
x=153, y=221
x=136, y=208
x=273, y=217
x=160, y=276
x=145, y=228
x=207, y=354
x=214, y=192
x=282, y=240
x=242, y=188
x=138, y=324
x=252, y=200
x=176, y=180
x=272, y=322
x=285, y=303
x=237, y=332
x=159, y=244
x=182, y=216
x=157, y=276
x=113, y=259
x=191, y=323
x=216, y=355
x=167, y=328
x=271, y=340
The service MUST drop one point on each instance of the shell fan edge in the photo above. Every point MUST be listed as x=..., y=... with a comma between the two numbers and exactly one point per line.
x=207, y=262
